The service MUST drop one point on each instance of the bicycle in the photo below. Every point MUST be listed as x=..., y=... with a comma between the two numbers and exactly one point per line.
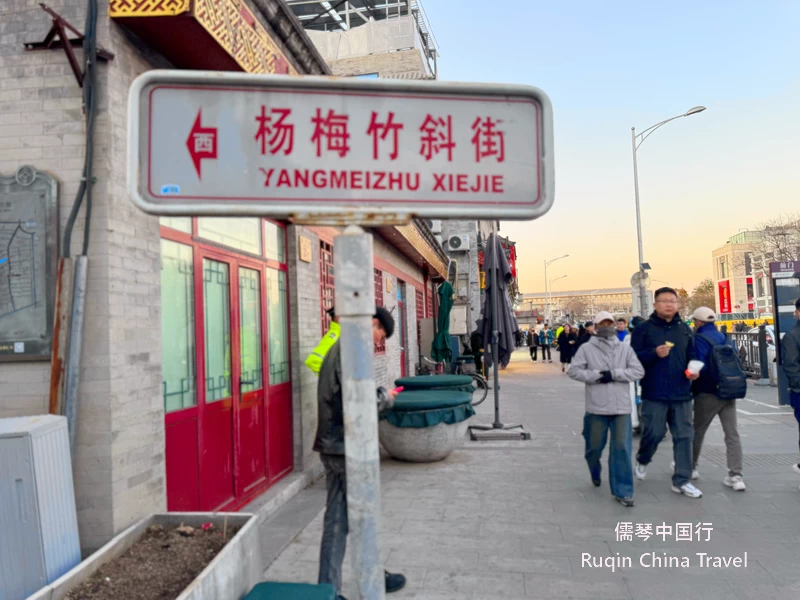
x=479, y=383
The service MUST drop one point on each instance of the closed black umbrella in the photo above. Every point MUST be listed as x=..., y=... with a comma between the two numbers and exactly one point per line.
x=498, y=326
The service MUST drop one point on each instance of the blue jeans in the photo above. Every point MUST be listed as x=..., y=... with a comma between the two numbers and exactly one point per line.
x=620, y=469
x=795, y=402
x=335, y=528
x=678, y=415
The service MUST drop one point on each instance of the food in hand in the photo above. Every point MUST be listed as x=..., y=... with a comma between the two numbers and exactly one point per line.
x=669, y=344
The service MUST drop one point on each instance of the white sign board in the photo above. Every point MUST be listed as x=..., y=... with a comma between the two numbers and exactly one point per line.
x=341, y=150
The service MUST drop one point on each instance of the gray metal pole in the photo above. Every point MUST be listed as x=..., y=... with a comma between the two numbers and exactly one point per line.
x=642, y=287
x=495, y=333
x=73, y=375
x=355, y=305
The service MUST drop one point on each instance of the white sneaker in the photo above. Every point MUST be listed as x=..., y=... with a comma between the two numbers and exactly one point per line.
x=695, y=472
x=687, y=489
x=736, y=482
x=640, y=471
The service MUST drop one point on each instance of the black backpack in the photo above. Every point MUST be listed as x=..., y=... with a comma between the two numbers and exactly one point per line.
x=726, y=370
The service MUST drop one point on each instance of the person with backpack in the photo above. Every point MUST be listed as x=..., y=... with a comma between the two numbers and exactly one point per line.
x=790, y=345
x=722, y=381
x=533, y=343
x=664, y=345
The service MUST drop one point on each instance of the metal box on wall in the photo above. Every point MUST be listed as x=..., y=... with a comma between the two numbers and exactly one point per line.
x=39, y=523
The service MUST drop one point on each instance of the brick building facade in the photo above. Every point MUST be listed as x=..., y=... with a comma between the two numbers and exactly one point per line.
x=135, y=429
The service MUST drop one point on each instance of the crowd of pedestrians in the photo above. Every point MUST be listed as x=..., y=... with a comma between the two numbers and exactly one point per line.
x=681, y=377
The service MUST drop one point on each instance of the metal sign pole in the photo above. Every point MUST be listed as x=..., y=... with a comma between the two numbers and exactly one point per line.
x=355, y=305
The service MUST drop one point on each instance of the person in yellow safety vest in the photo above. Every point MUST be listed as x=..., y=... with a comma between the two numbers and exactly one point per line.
x=314, y=360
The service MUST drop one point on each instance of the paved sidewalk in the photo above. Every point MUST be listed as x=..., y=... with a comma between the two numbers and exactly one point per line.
x=512, y=520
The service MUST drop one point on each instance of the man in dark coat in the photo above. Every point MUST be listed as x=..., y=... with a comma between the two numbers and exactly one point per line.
x=790, y=347
x=330, y=444
x=665, y=345
x=533, y=343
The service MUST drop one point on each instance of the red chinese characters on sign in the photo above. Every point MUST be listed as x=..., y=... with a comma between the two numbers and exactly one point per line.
x=488, y=139
x=437, y=136
x=380, y=131
x=274, y=132
x=333, y=128
x=201, y=143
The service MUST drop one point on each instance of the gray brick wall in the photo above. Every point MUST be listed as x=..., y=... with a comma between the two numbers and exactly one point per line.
x=468, y=285
x=119, y=468
x=305, y=335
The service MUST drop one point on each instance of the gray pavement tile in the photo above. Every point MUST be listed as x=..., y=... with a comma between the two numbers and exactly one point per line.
x=535, y=548
x=546, y=566
x=434, y=557
x=477, y=582
x=746, y=590
x=548, y=587
x=645, y=589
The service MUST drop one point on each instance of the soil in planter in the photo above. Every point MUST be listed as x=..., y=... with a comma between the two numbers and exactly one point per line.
x=157, y=567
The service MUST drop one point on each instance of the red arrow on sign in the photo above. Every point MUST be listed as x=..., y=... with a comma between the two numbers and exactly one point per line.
x=202, y=142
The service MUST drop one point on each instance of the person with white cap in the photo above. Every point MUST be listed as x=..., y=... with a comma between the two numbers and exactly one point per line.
x=607, y=367
x=707, y=401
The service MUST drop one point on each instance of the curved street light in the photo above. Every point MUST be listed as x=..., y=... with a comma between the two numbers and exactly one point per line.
x=636, y=141
x=547, y=263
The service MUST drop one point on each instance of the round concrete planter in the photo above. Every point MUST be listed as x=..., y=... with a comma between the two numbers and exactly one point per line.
x=422, y=444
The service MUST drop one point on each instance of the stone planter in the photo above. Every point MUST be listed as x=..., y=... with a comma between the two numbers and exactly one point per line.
x=422, y=444
x=229, y=576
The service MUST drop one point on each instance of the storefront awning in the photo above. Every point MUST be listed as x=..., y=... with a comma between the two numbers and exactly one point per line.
x=417, y=244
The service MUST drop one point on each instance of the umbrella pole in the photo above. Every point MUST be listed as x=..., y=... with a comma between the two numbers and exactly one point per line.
x=498, y=429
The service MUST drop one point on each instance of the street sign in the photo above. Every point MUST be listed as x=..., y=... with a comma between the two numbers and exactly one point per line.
x=338, y=150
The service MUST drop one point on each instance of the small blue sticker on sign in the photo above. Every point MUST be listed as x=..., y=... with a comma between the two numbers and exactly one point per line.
x=170, y=189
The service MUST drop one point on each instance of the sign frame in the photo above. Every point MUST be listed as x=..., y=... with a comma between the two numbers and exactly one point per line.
x=337, y=211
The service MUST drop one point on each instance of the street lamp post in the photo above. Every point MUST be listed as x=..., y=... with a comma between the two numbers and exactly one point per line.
x=547, y=263
x=635, y=144
x=550, y=298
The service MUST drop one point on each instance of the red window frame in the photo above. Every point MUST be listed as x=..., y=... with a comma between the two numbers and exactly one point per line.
x=379, y=348
x=327, y=283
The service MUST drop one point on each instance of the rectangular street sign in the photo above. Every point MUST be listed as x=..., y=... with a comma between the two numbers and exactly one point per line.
x=338, y=150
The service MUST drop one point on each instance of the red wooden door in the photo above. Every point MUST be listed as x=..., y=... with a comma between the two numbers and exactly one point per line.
x=279, y=391
x=216, y=398
x=250, y=459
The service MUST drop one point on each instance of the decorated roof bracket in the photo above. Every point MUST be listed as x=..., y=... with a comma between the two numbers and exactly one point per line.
x=58, y=37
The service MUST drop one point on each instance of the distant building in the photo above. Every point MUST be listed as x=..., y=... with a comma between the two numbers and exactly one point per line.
x=579, y=305
x=735, y=279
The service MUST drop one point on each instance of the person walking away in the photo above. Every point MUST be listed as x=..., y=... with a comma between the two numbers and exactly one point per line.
x=329, y=443
x=607, y=367
x=622, y=329
x=588, y=332
x=314, y=360
x=712, y=395
x=790, y=349
x=546, y=337
x=476, y=341
x=559, y=331
x=664, y=346
x=566, y=346
x=533, y=343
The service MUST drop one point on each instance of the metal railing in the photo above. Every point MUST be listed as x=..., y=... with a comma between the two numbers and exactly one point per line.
x=753, y=352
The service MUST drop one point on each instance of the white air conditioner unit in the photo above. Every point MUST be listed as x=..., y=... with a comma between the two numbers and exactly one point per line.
x=436, y=226
x=458, y=243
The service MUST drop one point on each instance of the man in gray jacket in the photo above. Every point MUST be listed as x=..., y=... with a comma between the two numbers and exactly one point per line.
x=607, y=367
x=330, y=444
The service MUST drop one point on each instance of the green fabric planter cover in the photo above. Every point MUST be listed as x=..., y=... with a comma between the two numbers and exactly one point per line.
x=270, y=590
x=427, y=408
x=459, y=383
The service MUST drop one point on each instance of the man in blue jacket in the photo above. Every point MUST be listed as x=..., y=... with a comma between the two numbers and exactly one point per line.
x=707, y=404
x=664, y=345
